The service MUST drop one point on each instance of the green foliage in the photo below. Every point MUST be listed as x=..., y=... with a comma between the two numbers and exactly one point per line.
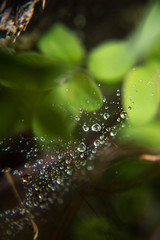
x=9, y=114
x=51, y=87
x=82, y=92
x=55, y=117
x=125, y=173
x=97, y=228
x=47, y=90
x=141, y=95
x=146, y=135
x=62, y=45
x=29, y=71
x=147, y=35
x=64, y=88
x=110, y=61
x=131, y=206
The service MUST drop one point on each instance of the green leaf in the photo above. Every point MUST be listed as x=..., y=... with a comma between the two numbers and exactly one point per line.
x=110, y=61
x=82, y=92
x=61, y=44
x=123, y=203
x=52, y=125
x=55, y=117
x=145, y=135
x=97, y=228
x=9, y=115
x=30, y=71
x=141, y=94
x=147, y=35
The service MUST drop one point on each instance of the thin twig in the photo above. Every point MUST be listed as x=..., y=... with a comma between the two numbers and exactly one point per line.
x=43, y=4
x=150, y=157
x=10, y=180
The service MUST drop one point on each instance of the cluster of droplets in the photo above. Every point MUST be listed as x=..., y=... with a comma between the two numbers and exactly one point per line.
x=46, y=177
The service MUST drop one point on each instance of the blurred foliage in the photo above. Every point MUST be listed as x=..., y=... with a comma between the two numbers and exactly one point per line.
x=44, y=92
x=57, y=74
x=110, y=61
x=97, y=228
x=61, y=44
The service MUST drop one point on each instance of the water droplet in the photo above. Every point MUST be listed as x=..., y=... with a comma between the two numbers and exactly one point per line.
x=101, y=137
x=68, y=161
x=123, y=114
x=58, y=181
x=52, y=157
x=85, y=128
x=81, y=147
x=104, y=99
x=42, y=139
x=36, y=150
x=40, y=161
x=118, y=93
x=69, y=172
x=60, y=156
x=113, y=133
x=40, y=196
x=82, y=155
x=118, y=119
x=77, y=118
x=96, y=127
x=90, y=168
x=106, y=116
x=26, y=178
x=94, y=151
x=96, y=143
x=129, y=108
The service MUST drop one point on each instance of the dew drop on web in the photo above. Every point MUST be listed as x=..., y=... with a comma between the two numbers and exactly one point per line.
x=81, y=147
x=47, y=172
x=96, y=127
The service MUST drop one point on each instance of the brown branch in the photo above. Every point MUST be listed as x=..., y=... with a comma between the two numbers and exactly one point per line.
x=150, y=157
x=8, y=175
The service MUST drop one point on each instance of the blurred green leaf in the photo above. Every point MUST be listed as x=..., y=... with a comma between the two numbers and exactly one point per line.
x=81, y=91
x=125, y=173
x=147, y=135
x=27, y=103
x=33, y=59
x=109, y=61
x=131, y=206
x=55, y=117
x=30, y=71
x=147, y=35
x=61, y=44
x=52, y=125
x=9, y=114
x=141, y=94
x=97, y=228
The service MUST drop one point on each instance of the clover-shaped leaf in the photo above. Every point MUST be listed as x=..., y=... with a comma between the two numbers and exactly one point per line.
x=81, y=91
x=61, y=44
x=141, y=95
x=109, y=61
